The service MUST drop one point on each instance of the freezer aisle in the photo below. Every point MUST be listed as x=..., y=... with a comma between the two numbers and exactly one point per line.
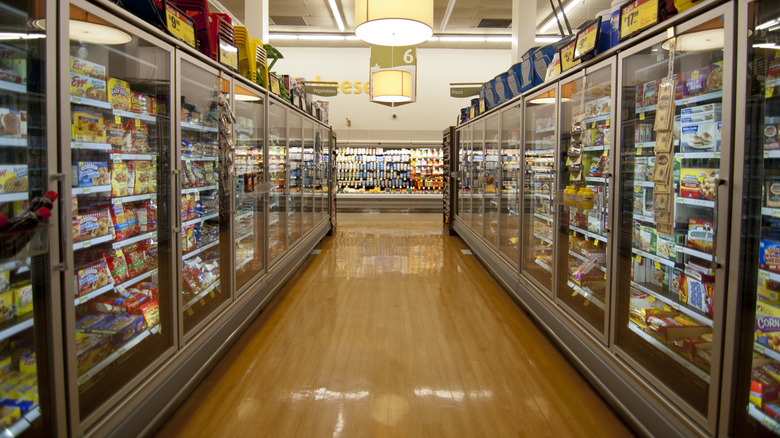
x=393, y=330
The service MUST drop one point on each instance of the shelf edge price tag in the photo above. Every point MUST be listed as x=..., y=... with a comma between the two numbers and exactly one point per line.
x=637, y=16
x=228, y=54
x=180, y=25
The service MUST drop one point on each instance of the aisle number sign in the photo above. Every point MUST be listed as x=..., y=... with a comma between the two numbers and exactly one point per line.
x=637, y=16
x=180, y=25
x=567, y=56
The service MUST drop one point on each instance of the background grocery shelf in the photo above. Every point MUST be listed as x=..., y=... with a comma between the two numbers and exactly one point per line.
x=137, y=157
x=90, y=102
x=90, y=146
x=134, y=239
x=11, y=197
x=16, y=325
x=92, y=242
x=200, y=250
x=698, y=155
x=134, y=198
x=696, y=202
x=774, y=355
x=589, y=234
x=764, y=419
x=23, y=423
x=145, y=117
x=768, y=275
x=585, y=259
x=200, y=128
x=14, y=87
x=544, y=265
x=654, y=258
x=201, y=295
x=695, y=253
x=94, y=294
x=198, y=189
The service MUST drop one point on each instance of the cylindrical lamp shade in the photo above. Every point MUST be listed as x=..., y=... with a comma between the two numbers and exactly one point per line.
x=394, y=22
x=391, y=86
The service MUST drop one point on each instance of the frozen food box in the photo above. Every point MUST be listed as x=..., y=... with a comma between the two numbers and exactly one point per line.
x=13, y=178
x=119, y=94
x=87, y=126
x=91, y=348
x=771, y=137
x=85, y=86
x=703, y=80
x=767, y=324
x=92, y=225
x=700, y=235
x=23, y=299
x=700, y=294
x=89, y=320
x=13, y=123
x=698, y=183
x=90, y=173
x=763, y=387
x=650, y=93
x=703, y=136
x=85, y=68
x=13, y=64
x=122, y=328
x=769, y=255
x=702, y=109
x=92, y=277
x=6, y=305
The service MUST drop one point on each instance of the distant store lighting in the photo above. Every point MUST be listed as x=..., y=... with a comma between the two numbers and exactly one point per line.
x=395, y=22
x=769, y=23
x=10, y=36
x=282, y=36
x=766, y=46
x=247, y=98
x=334, y=9
x=322, y=37
x=391, y=86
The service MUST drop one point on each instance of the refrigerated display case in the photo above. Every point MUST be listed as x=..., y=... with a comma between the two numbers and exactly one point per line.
x=586, y=138
x=27, y=287
x=464, y=175
x=205, y=234
x=755, y=406
x=308, y=164
x=320, y=174
x=675, y=151
x=295, y=185
x=478, y=177
x=277, y=176
x=120, y=313
x=492, y=176
x=511, y=177
x=539, y=186
x=249, y=165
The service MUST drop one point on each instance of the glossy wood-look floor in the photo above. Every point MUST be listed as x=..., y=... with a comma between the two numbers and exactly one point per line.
x=393, y=332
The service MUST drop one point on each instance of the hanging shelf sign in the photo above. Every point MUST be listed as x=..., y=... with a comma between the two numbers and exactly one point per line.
x=180, y=25
x=567, y=56
x=324, y=89
x=588, y=40
x=465, y=89
x=228, y=54
x=636, y=16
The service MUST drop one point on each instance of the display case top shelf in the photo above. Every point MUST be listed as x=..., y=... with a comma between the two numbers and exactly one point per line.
x=201, y=295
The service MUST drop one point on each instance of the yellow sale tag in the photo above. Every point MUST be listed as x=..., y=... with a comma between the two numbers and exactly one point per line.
x=586, y=40
x=641, y=116
x=650, y=299
x=202, y=302
x=118, y=120
x=180, y=25
x=212, y=294
x=636, y=16
x=574, y=294
x=586, y=303
x=138, y=123
x=607, y=123
x=189, y=311
x=639, y=259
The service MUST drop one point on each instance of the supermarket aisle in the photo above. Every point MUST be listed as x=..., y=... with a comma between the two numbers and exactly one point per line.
x=392, y=331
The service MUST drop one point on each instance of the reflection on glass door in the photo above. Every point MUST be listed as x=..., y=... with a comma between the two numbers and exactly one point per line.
x=120, y=147
x=25, y=285
x=670, y=210
x=509, y=216
x=204, y=231
x=585, y=139
x=538, y=187
x=478, y=177
x=277, y=176
x=295, y=188
x=249, y=166
x=492, y=179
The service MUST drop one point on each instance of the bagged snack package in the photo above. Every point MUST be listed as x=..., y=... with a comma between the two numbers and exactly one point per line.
x=115, y=260
x=119, y=179
x=13, y=178
x=13, y=123
x=147, y=216
x=142, y=170
x=139, y=135
x=131, y=213
x=119, y=94
x=135, y=256
x=209, y=175
x=151, y=257
x=151, y=313
x=121, y=222
x=188, y=238
x=92, y=277
x=118, y=137
x=92, y=225
x=90, y=88
x=121, y=328
x=87, y=126
x=90, y=173
x=85, y=68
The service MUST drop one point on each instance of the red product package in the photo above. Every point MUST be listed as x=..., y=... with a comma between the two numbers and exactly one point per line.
x=115, y=260
x=151, y=313
x=121, y=221
x=135, y=256
x=92, y=277
x=92, y=225
x=147, y=216
x=139, y=135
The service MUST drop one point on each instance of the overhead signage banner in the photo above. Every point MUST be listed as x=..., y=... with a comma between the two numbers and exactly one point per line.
x=324, y=89
x=464, y=90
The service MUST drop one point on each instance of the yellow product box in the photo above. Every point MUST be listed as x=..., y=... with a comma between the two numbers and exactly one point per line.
x=5, y=366
x=91, y=88
x=767, y=294
x=13, y=178
x=9, y=415
x=85, y=68
x=767, y=325
x=28, y=362
x=6, y=305
x=88, y=126
x=23, y=299
x=698, y=183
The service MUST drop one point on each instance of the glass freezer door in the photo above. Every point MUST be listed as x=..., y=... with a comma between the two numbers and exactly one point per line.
x=669, y=209
x=478, y=178
x=250, y=201
x=464, y=176
x=120, y=143
x=509, y=214
x=492, y=178
x=25, y=283
x=308, y=171
x=295, y=189
x=538, y=187
x=277, y=177
x=757, y=406
x=585, y=138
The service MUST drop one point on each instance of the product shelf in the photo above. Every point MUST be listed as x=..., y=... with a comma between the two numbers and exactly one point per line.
x=594, y=148
x=16, y=325
x=90, y=102
x=589, y=234
x=647, y=144
x=641, y=217
x=94, y=294
x=543, y=217
x=145, y=117
x=765, y=420
x=198, y=189
x=544, y=265
x=695, y=253
x=654, y=258
x=90, y=146
x=134, y=239
x=13, y=142
x=93, y=189
x=14, y=87
x=717, y=95
x=200, y=220
x=582, y=258
x=23, y=423
x=200, y=250
x=92, y=242
x=201, y=295
x=644, y=184
x=768, y=275
x=668, y=352
x=696, y=202
x=543, y=239
x=133, y=198
x=772, y=154
x=601, y=118
x=772, y=354
x=651, y=290
x=244, y=236
x=137, y=157
x=129, y=345
x=200, y=128
x=767, y=211
x=698, y=155
x=587, y=295
x=597, y=179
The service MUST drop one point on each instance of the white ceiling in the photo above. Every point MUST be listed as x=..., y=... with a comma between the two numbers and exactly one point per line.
x=466, y=15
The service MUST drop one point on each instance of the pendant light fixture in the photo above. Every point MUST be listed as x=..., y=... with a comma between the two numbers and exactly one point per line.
x=391, y=86
x=394, y=22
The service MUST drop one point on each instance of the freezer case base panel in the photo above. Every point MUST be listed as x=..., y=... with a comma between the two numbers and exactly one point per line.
x=598, y=365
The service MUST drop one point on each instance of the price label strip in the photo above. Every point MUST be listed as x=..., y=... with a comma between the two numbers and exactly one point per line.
x=180, y=25
x=637, y=16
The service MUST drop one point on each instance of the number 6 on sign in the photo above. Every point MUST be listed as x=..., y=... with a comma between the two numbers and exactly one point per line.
x=409, y=56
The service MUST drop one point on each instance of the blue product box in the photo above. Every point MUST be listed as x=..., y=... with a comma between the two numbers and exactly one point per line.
x=501, y=88
x=514, y=81
x=542, y=57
